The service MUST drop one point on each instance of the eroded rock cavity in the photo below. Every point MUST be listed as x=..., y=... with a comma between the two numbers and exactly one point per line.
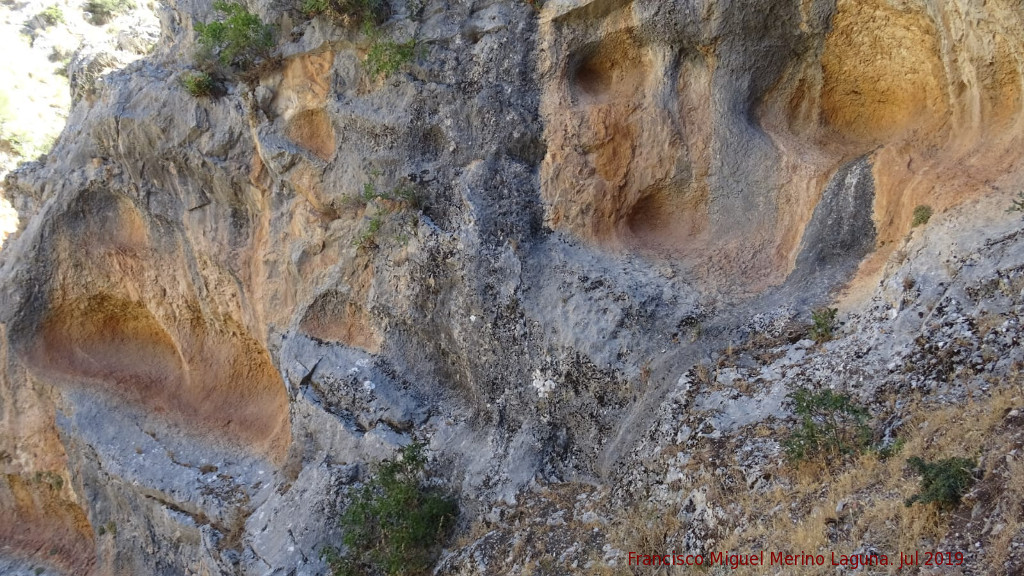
x=706, y=133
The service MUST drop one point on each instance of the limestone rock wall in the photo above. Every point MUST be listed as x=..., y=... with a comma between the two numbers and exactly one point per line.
x=205, y=343
x=706, y=132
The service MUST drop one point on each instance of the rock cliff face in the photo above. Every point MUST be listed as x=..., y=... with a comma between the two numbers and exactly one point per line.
x=707, y=132
x=217, y=312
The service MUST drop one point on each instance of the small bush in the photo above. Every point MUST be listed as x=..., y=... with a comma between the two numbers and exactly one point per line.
x=407, y=195
x=315, y=7
x=385, y=57
x=1017, y=205
x=369, y=236
x=403, y=194
x=922, y=214
x=395, y=524
x=385, y=204
x=103, y=11
x=52, y=15
x=51, y=479
x=830, y=424
x=198, y=84
x=349, y=13
x=370, y=191
x=943, y=482
x=824, y=324
x=240, y=39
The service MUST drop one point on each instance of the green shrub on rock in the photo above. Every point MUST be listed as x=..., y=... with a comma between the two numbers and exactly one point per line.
x=385, y=57
x=198, y=84
x=239, y=39
x=824, y=324
x=922, y=214
x=103, y=11
x=943, y=482
x=52, y=15
x=395, y=523
x=830, y=424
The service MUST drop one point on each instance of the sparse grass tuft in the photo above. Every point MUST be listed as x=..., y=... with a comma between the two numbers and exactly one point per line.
x=348, y=13
x=922, y=214
x=384, y=204
x=386, y=57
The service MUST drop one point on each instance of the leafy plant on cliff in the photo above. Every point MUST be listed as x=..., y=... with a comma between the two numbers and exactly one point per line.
x=52, y=15
x=386, y=57
x=922, y=214
x=238, y=39
x=369, y=236
x=348, y=13
x=396, y=522
x=824, y=324
x=198, y=84
x=103, y=11
x=1017, y=205
x=830, y=424
x=943, y=482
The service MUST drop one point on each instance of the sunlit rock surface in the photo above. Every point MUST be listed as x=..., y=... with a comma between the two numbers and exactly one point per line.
x=218, y=313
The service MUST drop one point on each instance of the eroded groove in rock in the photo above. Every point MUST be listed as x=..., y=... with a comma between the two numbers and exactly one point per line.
x=841, y=231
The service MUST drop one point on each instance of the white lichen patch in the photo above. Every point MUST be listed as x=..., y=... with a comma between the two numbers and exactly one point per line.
x=543, y=386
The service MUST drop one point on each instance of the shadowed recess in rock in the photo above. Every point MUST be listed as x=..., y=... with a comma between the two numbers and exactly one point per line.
x=870, y=104
x=337, y=317
x=666, y=220
x=728, y=167
x=213, y=379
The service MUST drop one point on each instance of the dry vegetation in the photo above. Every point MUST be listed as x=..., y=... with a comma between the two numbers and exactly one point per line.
x=823, y=507
x=849, y=506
